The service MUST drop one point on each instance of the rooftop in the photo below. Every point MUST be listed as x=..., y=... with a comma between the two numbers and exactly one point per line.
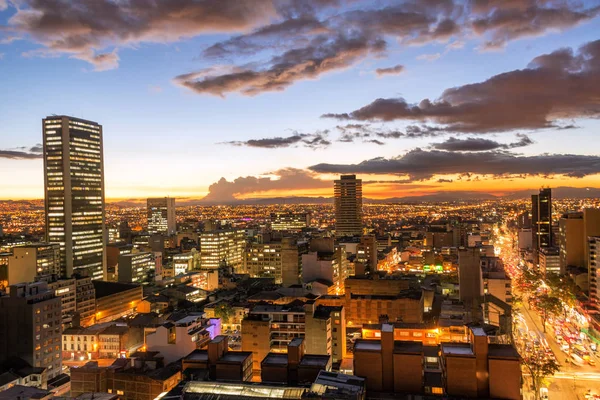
x=104, y=289
x=407, y=347
x=367, y=345
x=457, y=349
x=503, y=351
x=197, y=355
x=275, y=359
x=235, y=357
x=315, y=360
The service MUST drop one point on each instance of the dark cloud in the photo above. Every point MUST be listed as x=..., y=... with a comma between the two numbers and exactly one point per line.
x=284, y=179
x=320, y=56
x=480, y=144
x=421, y=164
x=38, y=148
x=311, y=140
x=395, y=70
x=84, y=28
x=556, y=86
x=503, y=21
x=277, y=35
x=19, y=155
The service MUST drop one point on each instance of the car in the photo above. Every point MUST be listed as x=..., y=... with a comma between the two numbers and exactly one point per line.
x=592, y=362
x=544, y=393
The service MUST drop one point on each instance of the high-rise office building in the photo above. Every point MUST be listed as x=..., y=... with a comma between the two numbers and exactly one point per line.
x=30, y=326
x=541, y=219
x=225, y=246
x=348, y=206
x=74, y=193
x=290, y=221
x=571, y=242
x=161, y=216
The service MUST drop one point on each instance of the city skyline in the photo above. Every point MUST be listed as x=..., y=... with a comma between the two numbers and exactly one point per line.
x=280, y=98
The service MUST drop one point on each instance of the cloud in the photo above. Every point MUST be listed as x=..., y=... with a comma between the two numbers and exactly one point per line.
x=421, y=164
x=38, y=148
x=322, y=55
x=101, y=61
x=311, y=140
x=284, y=179
x=3, y=5
x=480, y=144
x=503, y=21
x=429, y=57
x=19, y=155
x=277, y=35
x=85, y=28
x=556, y=86
x=395, y=70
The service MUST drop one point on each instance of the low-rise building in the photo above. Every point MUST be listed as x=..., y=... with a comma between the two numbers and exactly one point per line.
x=176, y=339
x=143, y=376
x=294, y=368
x=115, y=299
x=218, y=363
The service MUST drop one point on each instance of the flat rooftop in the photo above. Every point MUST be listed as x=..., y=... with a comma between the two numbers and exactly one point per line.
x=104, y=289
x=457, y=349
x=407, y=347
x=315, y=360
x=367, y=345
x=235, y=357
x=503, y=351
x=275, y=359
x=197, y=355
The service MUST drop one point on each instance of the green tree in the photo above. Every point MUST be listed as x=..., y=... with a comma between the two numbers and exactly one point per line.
x=564, y=288
x=224, y=311
x=549, y=305
x=527, y=283
x=539, y=368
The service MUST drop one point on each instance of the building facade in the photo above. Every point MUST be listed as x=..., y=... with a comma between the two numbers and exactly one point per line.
x=161, y=216
x=134, y=267
x=223, y=246
x=30, y=326
x=74, y=194
x=30, y=261
x=347, y=192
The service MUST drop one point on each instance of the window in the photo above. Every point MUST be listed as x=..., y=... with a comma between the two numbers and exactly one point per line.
x=437, y=390
x=417, y=334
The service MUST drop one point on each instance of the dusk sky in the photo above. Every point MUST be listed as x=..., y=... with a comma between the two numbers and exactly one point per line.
x=239, y=99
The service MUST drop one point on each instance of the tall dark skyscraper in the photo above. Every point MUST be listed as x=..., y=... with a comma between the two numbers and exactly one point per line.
x=74, y=193
x=541, y=219
x=348, y=206
x=161, y=215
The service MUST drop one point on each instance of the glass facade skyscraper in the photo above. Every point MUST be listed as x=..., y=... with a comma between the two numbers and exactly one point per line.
x=74, y=193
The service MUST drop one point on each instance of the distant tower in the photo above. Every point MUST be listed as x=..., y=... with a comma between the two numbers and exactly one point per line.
x=348, y=206
x=74, y=193
x=541, y=219
x=161, y=216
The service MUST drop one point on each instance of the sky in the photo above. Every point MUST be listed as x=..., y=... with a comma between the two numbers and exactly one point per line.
x=229, y=99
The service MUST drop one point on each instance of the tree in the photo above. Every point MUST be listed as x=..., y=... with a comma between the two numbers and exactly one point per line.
x=539, y=368
x=224, y=311
x=549, y=305
x=564, y=288
x=527, y=283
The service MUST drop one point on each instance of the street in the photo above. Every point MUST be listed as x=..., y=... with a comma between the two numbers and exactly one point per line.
x=561, y=340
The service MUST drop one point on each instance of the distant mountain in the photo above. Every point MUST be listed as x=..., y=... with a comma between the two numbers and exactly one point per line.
x=561, y=192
